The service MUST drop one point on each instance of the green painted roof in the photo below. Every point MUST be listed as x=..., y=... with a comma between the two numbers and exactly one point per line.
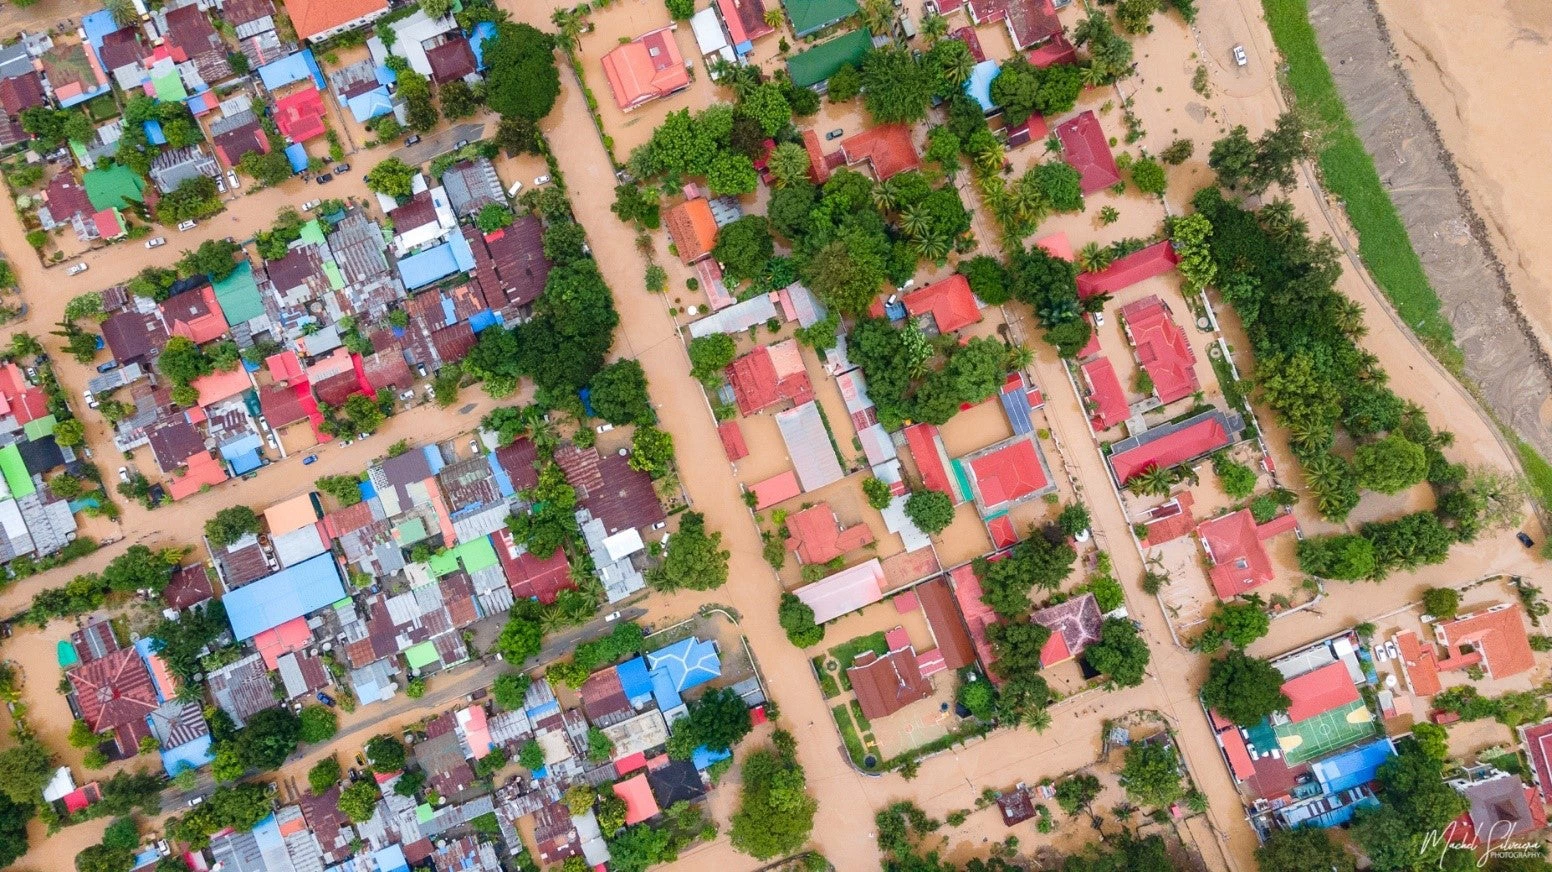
x=420, y=656
x=443, y=562
x=37, y=428
x=808, y=16
x=15, y=471
x=424, y=812
x=313, y=233
x=115, y=186
x=820, y=62
x=331, y=271
x=478, y=554
x=410, y=532
x=169, y=87
x=238, y=295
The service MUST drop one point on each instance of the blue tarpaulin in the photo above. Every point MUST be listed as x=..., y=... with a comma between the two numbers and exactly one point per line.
x=153, y=131
x=482, y=31
x=297, y=155
x=189, y=755
x=482, y=319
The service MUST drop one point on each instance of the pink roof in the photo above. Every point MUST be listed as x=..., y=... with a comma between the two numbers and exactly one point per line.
x=1239, y=756
x=887, y=147
x=284, y=366
x=817, y=536
x=639, y=802
x=1057, y=245
x=770, y=375
x=732, y=440
x=1155, y=260
x=291, y=636
x=631, y=763
x=1176, y=448
x=776, y=489
x=219, y=386
x=745, y=20
x=1110, y=406
x=950, y=301
x=300, y=115
x=1002, y=532
x=645, y=69
x=1162, y=349
x=108, y=226
x=923, y=442
x=845, y=591
x=967, y=591
x=1538, y=746
x=195, y=315
x=476, y=730
x=203, y=470
x=1318, y=692
x=1086, y=149
x=1010, y=473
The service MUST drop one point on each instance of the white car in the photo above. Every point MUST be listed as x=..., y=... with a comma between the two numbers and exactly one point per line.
x=310, y=205
x=78, y=269
x=158, y=242
x=1240, y=58
x=512, y=191
x=124, y=474
x=542, y=180
x=1099, y=319
x=188, y=225
x=231, y=179
x=91, y=401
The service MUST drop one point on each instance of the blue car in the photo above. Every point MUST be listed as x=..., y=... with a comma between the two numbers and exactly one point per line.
x=325, y=698
x=309, y=460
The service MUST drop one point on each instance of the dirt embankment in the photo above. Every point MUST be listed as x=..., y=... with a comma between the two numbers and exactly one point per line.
x=1502, y=353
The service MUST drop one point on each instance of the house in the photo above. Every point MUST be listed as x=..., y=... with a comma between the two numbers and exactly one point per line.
x=237, y=135
x=1074, y=626
x=621, y=498
x=886, y=148
x=195, y=315
x=414, y=35
x=123, y=53
x=646, y=68
x=447, y=770
x=1318, y=691
x=1170, y=445
x=555, y=836
x=812, y=16
x=363, y=88
x=1239, y=562
x=299, y=115
x=174, y=166
x=109, y=224
x=769, y=375
x=816, y=536
x=946, y=622
x=471, y=185
x=425, y=219
x=1106, y=398
x=676, y=781
x=115, y=693
x=884, y=684
x=317, y=20
x=1087, y=150
x=452, y=60
x=948, y=305
x=636, y=793
x=1123, y=272
x=1537, y=739
x=845, y=591
x=1162, y=348
x=190, y=33
x=173, y=441
x=1007, y=473
x=603, y=698
x=692, y=229
x=1029, y=22
x=812, y=68
x=1500, y=807
x=190, y=586
x=744, y=21
x=807, y=438
x=243, y=689
x=20, y=93
x=926, y=447
x=290, y=593
x=1497, y=634
x=685, y=665
x=133, y=337
x=66, y=202
x=510, y=268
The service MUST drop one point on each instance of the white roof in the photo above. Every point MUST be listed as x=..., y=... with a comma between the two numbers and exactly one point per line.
x=60, y=786
x=623, y=544
x=708, y=31
x=298, y=545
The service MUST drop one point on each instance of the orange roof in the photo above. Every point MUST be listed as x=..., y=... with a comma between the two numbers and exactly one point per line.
x=1422, y=670
x=195, y=315
x=203, y=470
x=887, y=147
x=292, y=514
x=818, y=170
x=1498, y=633
x=817, y=536
x=312, y=17
x=692, y=229
x=1167, y=527
x=646, y=68
x=1318, y=692
x=639, y=802
x=218, y=386
x=1162, y=348
x=950, y=301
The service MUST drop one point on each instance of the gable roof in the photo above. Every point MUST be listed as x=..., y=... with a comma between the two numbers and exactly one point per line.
x=1122, y=273
x=946, y=623
x=692, y=229
x=949, y=302
x=1319, y=691
x=1007, y=473
x=1086, y=150
x=812, y=66
x=926, y=450
x=745, y=20
x=312, y=17
x=807, y=438
x=450, y=61
x=646, y=68
x=884, y=685
x=640, y=805
x=808, y=16
x=817, y=537
x=22, y=92
x=1106, y=393
x=1498, y=633
x=1538, y=747
x=239, y=140
x=114, y=690
x=845, y=591
x=1074, y=626
x=1162, y=348
x=886, y=147
x=1173, y=444
x=1028, y=21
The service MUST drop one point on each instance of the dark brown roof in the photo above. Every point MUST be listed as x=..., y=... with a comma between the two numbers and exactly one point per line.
x=190, y=30
x=886, y=684
x=405, y=469
x=948, y=627
x=238, y=141
x=453, y=342
x=114, y=690
x=451, y=60
x=66, y=197
x=621, y=497
x=418, y=212
x=518, y=253
x=295, y=269
x=517, y=461
x=190, y=586
x=242, y=566
x=122, y=48
x=328, y=823
x=236, y=12
x=555, y=835
x=22, y=92
x=387, y=368
x=131, y=336
x=603, y=698
x=337, y=388
x=174, y=440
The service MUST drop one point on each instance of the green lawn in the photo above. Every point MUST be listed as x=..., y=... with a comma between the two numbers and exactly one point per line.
x=846, y=652
x=1349, y=174
x=849, y=735
x=1537, y=471
x=827, y=684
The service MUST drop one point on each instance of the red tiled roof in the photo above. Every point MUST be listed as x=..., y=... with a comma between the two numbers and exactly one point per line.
x=113, y=691
x=1109, y=399
x=348, y=519
x=967, y=592
x=692, y=229
x=1233, y=542
x=1422, y=669
x=646, y=68
x=1156, y=259
x=284, y=367
x=1320, y=691
x=195, y=315
x=884, y=685
x=887, y=147
x=818, y=169
x=1538, y=746
x=312, y=17
x=22, y=92
x=1086, y=150
x=769, y=375
x=950, y=302
x=1010, y=473
x=817, y=536
x=1499, y=634
x=1167, y=528
x=946, y=623
x=745, y=19
x=1056, y=50
x=1074, y=626
x=1029, y=21
x=967, y=36
x=922, y=439
x=1177, y=447
x=776, y=489
x=300, y=115
x=1162, y=348
x=732, y=440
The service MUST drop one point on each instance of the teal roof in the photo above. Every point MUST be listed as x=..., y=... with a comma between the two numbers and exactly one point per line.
x=808, y=16
x=114, y=186
x=821, y=62
x=238, y=295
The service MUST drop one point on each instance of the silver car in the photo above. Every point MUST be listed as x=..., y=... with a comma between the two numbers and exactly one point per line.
x=1240, y=58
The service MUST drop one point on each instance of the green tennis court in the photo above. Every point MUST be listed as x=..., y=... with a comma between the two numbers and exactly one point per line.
x=1325, y=732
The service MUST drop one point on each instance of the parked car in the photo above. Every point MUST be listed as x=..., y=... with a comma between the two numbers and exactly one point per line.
x=325, y=698
x=341, y=169
x=836, y=133
x=542, y=180
x=309, y=460
x=108, y=367
x=1099, y=319
x=196, y=801
x=310, y=205
x=231, y=179
x=461, y=143
x=78, y=269
x=1525, y=539
x=188, y=225
x=605, y=427
x=158, y=242
x=475, y=446
x=1240, y=58
x=611, y=617
x=124, y=474
x=413, y=140
x=407, y=396
x=512, y=191
x=325, y=179
x=90, y=399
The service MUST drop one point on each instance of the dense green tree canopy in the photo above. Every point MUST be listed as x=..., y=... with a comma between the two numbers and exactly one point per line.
x=521, y=79
x=1244, y=689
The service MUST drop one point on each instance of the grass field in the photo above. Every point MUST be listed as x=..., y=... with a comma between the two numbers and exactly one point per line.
x=1349, y=173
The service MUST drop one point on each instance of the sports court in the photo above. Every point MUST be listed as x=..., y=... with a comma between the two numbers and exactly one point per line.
x=1307, y=739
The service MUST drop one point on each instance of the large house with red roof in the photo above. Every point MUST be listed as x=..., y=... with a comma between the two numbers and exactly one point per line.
x=317, y=20
x=768, y=376
x=1493, y=640
x=115, y=694
x=1239, y=562
x=1007, y=473
x=1087, y=150
x=948, y=305
x=1123, y=272
x=1029, y=22
x=816, y=536
x=645, y=69
x=692, y=228
x=1162, y=348
x=1170, y=445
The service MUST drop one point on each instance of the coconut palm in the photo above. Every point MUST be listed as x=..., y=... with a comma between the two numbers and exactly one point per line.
x=569, y=25
x=123, y=12
x=933, y=245
x=1155, y=481
x=789, y=163
x=934, y=27
x=774, y=19
x=914, y=221
x=990, y=158
x=879, y=15
x=957, y=67
x=1093, y=257
x=886, y=195
x=1348, y=316
x=1095, y=75
x=1039, y=719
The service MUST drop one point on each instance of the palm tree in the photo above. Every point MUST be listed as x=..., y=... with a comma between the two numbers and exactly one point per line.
x=989, y=159
x=1093, y=257
x=25, y=345
x=886, y=195
x=123, y=12
x=934, y=27
x=1094, y=74
x=958, y=66
x=788, y=163
x=913, y=221
x=879, y=15
x=934, y=245
x=1039, y=719
x=774, y=19
x=1155, y=480
x=1348, y=316
x=569, y=25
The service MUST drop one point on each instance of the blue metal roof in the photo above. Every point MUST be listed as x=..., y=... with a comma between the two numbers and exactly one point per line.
x=291, y=68
x=663, y=691
x=189, y=755
x=635, y=681
x=240, y=446
x=391, y=859
x=153, y=131
x=433, y=264
x=365, y=107
x=289, y=593
x=1353, y=767
x=297, y=155
x=688, y=663
x=246, y=462
x=979, y=85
